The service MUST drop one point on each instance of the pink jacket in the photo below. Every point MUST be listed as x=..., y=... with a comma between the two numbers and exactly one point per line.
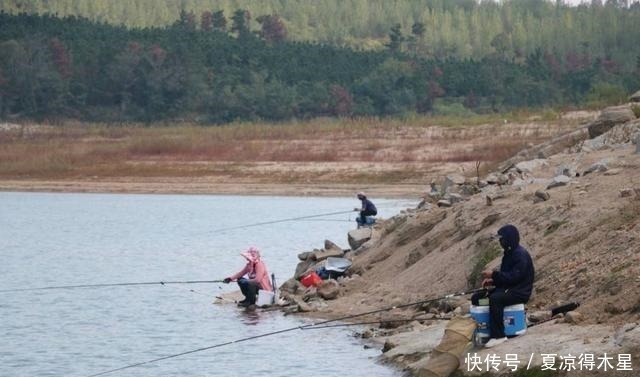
x=255, y=269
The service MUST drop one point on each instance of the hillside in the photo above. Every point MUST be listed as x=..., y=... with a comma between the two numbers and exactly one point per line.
x=438, y=28
x=58, y=69
x=584, y=240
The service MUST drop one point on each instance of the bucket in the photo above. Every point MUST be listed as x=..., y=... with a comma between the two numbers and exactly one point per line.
x=311, y=279
x=480, y=314
x=265, y=298
x=515, y=322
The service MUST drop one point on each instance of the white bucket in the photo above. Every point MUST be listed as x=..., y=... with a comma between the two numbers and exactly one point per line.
x=265, y=298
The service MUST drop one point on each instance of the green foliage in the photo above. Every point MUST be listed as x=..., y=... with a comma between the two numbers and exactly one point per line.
x=452, y=28
x=456, y=109
x=207, y=71
x=603, y=94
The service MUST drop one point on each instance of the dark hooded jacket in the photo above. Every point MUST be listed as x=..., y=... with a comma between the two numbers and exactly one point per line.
x=516, y=273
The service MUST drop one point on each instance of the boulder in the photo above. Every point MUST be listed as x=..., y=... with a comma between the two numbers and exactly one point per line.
x=539, y=316
x=561, y=180
x=613, y=172
x=334, y=251
x=497, y=179
x=329, y=289
x=357, y=237
x=568, y=170
x=610, y=117
x=598, y=167
x=635, y=97
x=454, y=198
x=304, y=256
x=454, y=179
x=291, y=286
x=310, y=293
x=626, y=192
x=444, y=203
x=573, y=317
x=542, y=195
x=531, y=165
x=330, y=245
x=303, y=267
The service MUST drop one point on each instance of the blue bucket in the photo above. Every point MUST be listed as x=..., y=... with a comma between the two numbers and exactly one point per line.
x=480, y=314
x=515, y=322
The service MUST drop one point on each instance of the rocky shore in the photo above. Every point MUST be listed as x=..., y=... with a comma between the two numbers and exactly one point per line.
x=576, y=201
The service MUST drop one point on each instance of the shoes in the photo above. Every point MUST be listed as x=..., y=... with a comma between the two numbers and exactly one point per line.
x=494, y=342
x=243, y=303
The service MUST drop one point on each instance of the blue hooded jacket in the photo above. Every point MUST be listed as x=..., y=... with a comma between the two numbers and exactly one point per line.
x=516, y=273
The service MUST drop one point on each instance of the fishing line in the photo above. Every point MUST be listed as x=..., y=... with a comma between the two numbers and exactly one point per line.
x=111, y=285
x=276, y=221
x=303, y=327
x=375, y=322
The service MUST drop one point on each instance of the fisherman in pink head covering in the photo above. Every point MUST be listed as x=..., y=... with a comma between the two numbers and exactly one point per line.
x=252, y=277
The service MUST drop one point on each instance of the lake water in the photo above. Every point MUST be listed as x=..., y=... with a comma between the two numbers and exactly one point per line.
x=68, y=239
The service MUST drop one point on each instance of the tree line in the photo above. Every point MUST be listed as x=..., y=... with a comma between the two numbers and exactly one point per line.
x=219, y=68
x=450, y=28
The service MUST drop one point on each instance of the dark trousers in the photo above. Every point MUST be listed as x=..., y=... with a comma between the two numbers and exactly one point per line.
x=498, y=299
x=249, y=289
x=364, y=214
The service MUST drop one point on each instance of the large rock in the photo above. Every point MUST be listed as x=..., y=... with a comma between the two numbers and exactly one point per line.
x=329, y=289
x=610, y=117
x=454, y=198
x=497, y=179
x=635, y=97
x=598, y=167
x=334, y=251
x=620, y=134
x=454, y=179
x=328, y=244
x=358, y=237
x=291, y=286
x=561, y=180
x=531, y=165
x=303, y=267
x=542, y=195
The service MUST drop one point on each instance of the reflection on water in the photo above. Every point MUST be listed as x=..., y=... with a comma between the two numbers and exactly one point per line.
x=68, y=239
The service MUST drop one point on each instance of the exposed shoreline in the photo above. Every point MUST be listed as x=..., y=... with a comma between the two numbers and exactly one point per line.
x=207, y=187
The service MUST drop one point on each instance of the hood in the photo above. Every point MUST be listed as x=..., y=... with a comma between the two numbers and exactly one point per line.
x=510, y=237
x=252, y=254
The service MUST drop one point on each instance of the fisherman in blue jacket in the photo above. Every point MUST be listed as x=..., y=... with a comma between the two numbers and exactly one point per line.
x=367, y=209
x=513, y=282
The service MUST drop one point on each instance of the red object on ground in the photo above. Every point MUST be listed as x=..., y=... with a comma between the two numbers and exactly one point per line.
x=311, y=279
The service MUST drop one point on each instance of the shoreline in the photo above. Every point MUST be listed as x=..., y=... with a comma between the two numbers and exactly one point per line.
x=166, y=186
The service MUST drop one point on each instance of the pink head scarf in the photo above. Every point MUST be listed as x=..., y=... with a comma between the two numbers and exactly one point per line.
x=252, y=254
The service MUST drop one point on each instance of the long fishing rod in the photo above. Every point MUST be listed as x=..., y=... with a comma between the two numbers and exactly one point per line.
x=111, y=285
x=303, y=327
x=277, y=221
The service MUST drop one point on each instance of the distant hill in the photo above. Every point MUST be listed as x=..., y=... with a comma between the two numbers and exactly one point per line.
x=434, y=28
x=220, y=71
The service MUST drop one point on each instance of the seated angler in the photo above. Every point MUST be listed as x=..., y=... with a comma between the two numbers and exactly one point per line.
x=253, y=277
x=367, y=209
x=513, y=282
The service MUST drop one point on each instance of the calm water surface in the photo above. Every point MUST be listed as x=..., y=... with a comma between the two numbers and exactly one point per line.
x=68, y=239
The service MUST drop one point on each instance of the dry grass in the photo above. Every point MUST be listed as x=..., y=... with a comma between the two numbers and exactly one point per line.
x=80, y=150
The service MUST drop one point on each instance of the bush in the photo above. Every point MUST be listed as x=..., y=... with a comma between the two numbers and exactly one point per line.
x=451, y=109
x=603, y=94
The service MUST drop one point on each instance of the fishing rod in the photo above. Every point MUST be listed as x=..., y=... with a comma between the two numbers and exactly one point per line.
x=277, y=221
x=303, y=327
x=375, y=322
x=111, y=285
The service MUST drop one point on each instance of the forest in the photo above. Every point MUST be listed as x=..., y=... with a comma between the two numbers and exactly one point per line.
x=221, y=66
x=450, y=28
